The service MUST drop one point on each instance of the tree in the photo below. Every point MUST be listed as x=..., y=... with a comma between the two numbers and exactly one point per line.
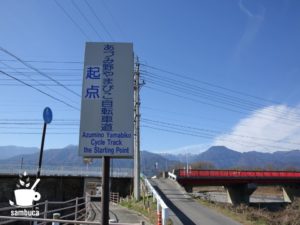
x=203, y=165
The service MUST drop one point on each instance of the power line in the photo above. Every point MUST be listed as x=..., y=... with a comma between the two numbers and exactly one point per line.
x=86, y=19
x=183, y=76
x=37, y=89
x=38, y=71
x=192, y=86
x=37, y=128
x=161, y=77
x=113, y=19
x=42, y=85
x=191, y=99
x=99, y=20
x=204, y=119
x=43, y=61
x=27, y=123
x=73, y=21
x=219, y=96
x=61, y=74
x=34, y=80
x=186, y=90
x=226, y=104
x=187, y=133
x=209, y=136
x=41, y=80
x=24, y=68
x=214, y=99
x=38, y=120
x=213, y=131
x=205, y=91
x=182, y=114
x=37, y=133
x=179, y=132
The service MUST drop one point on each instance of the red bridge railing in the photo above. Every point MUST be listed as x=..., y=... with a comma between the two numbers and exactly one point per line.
x=237, y=174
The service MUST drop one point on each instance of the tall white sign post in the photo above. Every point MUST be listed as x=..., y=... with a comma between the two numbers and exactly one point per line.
x=107, y=120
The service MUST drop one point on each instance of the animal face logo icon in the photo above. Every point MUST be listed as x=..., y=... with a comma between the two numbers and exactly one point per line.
x=25, y=195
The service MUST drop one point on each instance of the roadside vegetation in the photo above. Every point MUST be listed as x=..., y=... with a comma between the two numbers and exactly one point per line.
x=288, y=214
x=145, y=206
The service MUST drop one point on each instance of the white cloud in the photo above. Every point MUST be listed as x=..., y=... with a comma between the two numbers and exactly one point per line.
x=253, y=25
x=244, y=9
x=273, y=128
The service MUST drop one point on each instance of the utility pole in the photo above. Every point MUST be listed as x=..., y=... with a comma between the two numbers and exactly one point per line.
x=136, y=174
x=187, y=163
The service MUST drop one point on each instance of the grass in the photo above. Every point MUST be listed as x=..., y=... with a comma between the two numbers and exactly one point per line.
x=239, y=214
x=248, y=215
x=145, y=206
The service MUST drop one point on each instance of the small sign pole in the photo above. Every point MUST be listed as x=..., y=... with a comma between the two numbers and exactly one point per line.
x=47, y=116
x=105, y=190
x=42, y=150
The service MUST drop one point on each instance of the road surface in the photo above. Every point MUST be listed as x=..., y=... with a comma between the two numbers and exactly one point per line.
x=221, y=197
x=184, y=209
x=117, y=214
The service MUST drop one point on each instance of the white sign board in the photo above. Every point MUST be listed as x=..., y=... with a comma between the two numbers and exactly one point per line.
x=106, y=122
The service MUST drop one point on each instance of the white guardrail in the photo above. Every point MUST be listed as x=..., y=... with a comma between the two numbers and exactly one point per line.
x=172, y=176
x=161, y=205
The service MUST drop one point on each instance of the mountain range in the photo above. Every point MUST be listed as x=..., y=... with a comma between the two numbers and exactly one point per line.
x=10, y=151
x=225, y=158
x=220, y=156
x=68, y=156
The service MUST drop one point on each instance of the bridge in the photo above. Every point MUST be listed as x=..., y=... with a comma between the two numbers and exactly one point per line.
x=56, y=180
x=240, y=185
x=73, y=171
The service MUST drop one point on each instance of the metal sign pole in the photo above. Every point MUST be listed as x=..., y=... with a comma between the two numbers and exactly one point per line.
x=42, y=150
x=105, y=191
x=47, y=116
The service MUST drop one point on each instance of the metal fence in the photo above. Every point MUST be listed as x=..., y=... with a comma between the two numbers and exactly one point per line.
x=58, y=221
x=74, y=209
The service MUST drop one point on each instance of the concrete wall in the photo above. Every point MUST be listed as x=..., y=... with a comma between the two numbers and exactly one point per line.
x=290, y=192
x=121, y=185
x=237, y=194
x=51, y=188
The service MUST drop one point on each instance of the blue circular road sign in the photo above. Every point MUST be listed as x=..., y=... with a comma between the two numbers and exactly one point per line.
x=47, y=115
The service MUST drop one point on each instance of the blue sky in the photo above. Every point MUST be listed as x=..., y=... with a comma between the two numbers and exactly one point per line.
x=236, y=66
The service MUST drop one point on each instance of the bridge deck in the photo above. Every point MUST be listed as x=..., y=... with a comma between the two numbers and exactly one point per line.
x=221, y=177
x=237, y=173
